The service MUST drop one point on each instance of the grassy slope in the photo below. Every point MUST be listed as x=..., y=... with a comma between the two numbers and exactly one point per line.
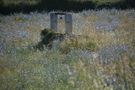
x=79, y=69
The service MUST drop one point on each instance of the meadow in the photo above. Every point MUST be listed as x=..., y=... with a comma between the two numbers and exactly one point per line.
x=104, y=60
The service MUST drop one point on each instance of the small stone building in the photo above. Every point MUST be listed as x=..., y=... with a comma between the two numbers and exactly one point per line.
x=54, y=21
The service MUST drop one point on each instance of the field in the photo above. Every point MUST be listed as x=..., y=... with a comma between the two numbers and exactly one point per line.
x=104, y=60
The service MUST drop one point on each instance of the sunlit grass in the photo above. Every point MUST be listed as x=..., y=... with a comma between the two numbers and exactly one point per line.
x=73, y=64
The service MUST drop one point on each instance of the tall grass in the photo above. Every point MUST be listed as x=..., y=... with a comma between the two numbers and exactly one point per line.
x=74, y=64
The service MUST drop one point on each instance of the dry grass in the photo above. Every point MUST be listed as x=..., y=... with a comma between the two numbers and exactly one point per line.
x=78, y=69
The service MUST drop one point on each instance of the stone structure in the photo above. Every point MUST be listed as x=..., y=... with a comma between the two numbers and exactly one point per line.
x=54, y=21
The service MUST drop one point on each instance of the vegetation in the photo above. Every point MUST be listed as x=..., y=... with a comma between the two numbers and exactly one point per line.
x=101, y=56
x=17, y=6
x=16, y=2
x=7, y=2
x=33, y=2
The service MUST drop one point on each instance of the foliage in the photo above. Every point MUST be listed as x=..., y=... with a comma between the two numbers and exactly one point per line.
x=80, y=66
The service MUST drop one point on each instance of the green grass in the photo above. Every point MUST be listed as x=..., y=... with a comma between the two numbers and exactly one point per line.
x=51, y=70
x=47, y=70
